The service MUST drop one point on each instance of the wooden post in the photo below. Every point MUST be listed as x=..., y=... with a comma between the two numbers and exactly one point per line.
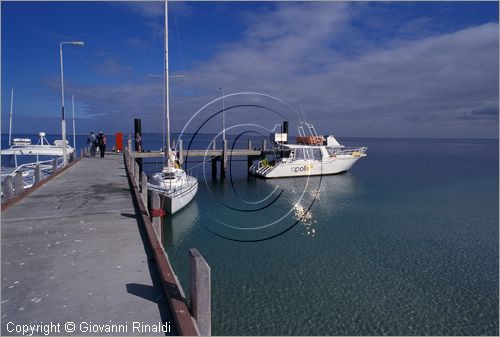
x=8, y=188
x=54, y=166
x=129, y=143
x=144, y=188
x=223, y=164
x=181, y=155
x=214, y=167
x=137, y=176
x=263, y=145
x=38, y=174
x=200, y=292
x=157, y=225
x=214, y=145
x=249, y=144
x=249, y=162
x=18, y=184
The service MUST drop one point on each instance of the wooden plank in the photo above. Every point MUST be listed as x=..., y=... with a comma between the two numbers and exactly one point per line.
x=200, y=290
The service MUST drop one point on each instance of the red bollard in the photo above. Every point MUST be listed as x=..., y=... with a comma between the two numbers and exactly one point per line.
x=119, y=141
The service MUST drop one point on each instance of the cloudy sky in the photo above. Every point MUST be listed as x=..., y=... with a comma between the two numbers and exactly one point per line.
x=354, y=69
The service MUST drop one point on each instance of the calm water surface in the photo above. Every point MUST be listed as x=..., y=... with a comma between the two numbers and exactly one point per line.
x=406, y=243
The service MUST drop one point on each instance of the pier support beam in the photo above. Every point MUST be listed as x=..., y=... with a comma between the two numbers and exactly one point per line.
x=214, y=167
x=18, y=184
x=38, y=174
x=8, y=188
x=54, y=166
x=157, y=221
x=138, y=141
x=137, y=175
x=249, y=144
x=200, y=292
x=250, y=160
x=144, y=188
x=223, y=164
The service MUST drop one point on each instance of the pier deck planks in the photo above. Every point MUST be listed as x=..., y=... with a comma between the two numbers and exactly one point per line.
x=73, y=251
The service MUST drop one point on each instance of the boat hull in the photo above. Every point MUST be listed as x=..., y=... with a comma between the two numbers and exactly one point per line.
x=308, y=168
x=175, y=199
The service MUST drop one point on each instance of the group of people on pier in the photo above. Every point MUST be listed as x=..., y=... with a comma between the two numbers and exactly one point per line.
x=95, y=142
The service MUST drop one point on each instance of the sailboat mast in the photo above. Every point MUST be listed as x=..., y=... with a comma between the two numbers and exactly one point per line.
x=167, y=99
x=10, y=118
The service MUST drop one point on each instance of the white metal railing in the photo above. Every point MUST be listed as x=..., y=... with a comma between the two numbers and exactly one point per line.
x=351, y=151
x=28, y=170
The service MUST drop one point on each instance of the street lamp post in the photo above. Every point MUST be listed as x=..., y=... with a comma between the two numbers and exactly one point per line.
x=63, y=121
x=223, y=117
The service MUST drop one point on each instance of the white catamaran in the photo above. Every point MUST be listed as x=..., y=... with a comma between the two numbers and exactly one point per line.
x=175, y=186
x=312, y=155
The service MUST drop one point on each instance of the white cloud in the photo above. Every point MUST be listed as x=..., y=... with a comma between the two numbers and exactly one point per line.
x=441, y=85
x=419, y=87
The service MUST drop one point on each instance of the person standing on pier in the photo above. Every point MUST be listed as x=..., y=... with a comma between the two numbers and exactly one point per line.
x=102, y=143
x=91, y=143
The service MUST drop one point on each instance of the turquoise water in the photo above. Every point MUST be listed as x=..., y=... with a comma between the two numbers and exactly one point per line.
x=406, y=243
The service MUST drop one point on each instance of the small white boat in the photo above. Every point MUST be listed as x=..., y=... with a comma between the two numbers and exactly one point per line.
x=42, y=148
x=313, y=155
x=175, y=187
x=24, y=157
x=21, y=141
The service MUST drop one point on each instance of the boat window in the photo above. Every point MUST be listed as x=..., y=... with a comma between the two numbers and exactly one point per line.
x=331, y=151
x=169, y=175
x=308, y=154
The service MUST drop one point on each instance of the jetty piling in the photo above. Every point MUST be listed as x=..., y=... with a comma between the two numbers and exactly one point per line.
x=18, y=184
x=200, y=292
x=38, y=175
x=144, y=187
x=8, y=188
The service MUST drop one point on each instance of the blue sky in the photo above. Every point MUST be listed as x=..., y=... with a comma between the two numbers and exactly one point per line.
x=355, y=69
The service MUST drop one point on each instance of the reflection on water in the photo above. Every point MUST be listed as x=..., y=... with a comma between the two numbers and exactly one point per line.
x=304, y=196
x=306, y=218
x=178, y=226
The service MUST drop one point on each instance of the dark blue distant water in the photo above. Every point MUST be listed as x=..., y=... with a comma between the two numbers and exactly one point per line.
x=405, y=243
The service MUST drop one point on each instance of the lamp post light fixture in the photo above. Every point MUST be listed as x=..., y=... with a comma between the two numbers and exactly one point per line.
x=63, y=121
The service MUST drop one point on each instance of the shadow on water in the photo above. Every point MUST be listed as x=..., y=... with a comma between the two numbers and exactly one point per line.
x=177, y=227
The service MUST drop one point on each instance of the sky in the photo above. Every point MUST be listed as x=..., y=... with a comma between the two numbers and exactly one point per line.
x=353, y=69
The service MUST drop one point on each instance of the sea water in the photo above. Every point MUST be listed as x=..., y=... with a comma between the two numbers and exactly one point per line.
x=405, y=243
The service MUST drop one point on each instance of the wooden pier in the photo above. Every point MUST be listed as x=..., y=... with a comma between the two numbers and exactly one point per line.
x=214, y=155
x=82, y=248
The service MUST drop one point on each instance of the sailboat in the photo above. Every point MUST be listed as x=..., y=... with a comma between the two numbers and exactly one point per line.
x=174, y=185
